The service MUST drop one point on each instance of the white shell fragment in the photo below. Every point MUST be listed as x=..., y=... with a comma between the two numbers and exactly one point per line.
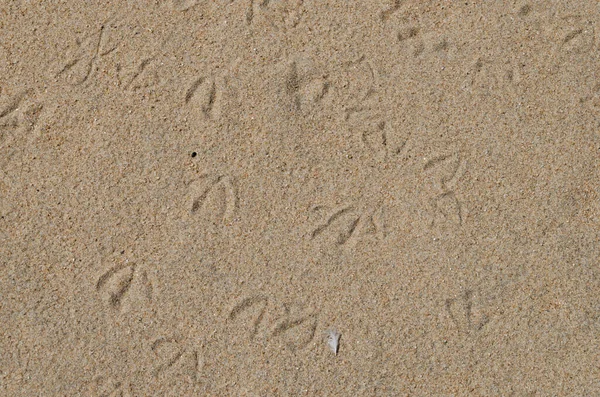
x=333, y=340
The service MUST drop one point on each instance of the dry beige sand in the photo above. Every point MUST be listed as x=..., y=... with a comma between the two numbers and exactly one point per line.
x=193, y=193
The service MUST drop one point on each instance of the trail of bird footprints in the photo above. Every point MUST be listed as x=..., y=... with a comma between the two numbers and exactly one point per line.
x=303, y=89
x=260, y=319
x=256, y=318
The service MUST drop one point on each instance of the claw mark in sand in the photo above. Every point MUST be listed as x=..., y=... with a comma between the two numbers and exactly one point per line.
x=222, y=188
x=344, y=235
x=119, y=280
x=461, y=312
x=169, y=351
x=385, y=15
x=203, y=93
x=246, y=304
x=118, y=283
x=79, y=69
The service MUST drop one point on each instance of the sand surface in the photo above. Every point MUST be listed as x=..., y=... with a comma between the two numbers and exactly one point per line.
x=194, y=193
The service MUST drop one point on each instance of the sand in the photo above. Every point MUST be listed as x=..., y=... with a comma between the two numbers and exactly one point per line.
x=199, y=197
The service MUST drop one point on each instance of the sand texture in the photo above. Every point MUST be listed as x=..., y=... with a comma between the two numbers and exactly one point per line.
x=303, y=197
